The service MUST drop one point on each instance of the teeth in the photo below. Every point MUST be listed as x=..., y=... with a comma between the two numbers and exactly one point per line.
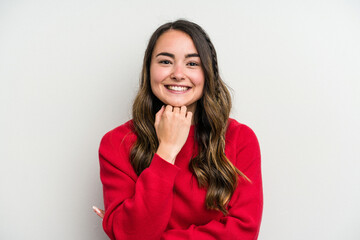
x=177, y=88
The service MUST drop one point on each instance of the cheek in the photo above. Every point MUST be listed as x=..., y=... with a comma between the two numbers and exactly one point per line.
x=201, y=83
x=156, y=77
x=198, y=79
x=152, y=76
x=201, y=92
x=157, y=74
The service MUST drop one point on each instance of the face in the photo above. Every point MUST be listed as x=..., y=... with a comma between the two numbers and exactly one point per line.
x=176, y=75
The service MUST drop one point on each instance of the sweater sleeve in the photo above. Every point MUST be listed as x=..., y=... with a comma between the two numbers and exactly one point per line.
x=136, y=207
x=245, y=207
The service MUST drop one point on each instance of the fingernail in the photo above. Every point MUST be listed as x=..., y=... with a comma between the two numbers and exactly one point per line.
x=96, y=209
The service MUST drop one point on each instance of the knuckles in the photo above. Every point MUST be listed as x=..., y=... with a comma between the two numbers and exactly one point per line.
x=175, y=115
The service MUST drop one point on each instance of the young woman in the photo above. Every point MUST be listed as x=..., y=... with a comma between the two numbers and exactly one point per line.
x=181, y=168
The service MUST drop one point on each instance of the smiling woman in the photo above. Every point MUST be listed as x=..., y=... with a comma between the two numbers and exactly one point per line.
x=176, y=75
x=181, y=168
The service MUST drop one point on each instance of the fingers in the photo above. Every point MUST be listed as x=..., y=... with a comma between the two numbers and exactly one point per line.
x=170, y=109
x=183, y=110
x=158, y=115
x=189, y=116
x=176, y=110
x=99, y=212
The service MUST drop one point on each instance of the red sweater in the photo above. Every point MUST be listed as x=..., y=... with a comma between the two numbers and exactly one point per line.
x=165, y=202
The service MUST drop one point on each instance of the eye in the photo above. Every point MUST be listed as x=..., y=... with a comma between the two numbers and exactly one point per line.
x=193, y=64
x=165, y=62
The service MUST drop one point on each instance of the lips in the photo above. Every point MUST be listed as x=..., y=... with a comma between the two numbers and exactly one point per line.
x=177, y=88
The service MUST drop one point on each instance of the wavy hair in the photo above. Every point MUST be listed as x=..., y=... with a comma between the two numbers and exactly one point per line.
x=211, y=167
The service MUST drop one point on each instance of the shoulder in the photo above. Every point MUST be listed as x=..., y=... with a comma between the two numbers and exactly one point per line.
x=120, y=131
x=123, y=135
x=242, y=146
x=114, y=151
x=239, y=132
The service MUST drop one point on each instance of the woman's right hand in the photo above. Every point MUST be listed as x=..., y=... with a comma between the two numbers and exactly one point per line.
x=172, y=125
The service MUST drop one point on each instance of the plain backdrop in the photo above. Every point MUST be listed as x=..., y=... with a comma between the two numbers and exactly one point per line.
x=69, y=71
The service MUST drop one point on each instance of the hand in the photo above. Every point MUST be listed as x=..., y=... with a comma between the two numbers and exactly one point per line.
x=172, y=125
x=99, y=211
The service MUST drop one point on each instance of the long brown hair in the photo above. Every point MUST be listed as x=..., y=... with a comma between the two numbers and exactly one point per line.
x=211, y=167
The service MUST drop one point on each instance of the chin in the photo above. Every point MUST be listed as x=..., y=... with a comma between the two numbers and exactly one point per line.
x=174, y=104
x=178, y=104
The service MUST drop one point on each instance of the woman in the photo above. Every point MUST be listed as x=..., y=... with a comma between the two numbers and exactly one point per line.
x=181, y=168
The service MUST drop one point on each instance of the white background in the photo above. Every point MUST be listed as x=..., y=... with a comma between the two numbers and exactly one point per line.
x=69, y=71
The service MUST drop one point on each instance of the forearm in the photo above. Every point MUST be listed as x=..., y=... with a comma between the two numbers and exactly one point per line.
x=146, y=210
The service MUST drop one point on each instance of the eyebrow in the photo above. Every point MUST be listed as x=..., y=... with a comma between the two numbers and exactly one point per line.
x=173, y=56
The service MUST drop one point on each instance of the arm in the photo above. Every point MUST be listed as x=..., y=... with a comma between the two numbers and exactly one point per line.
x=245, y=206
x=140, y=207
x=135, y=208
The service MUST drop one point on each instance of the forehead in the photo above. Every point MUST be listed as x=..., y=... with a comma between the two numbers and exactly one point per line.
x=175, y=41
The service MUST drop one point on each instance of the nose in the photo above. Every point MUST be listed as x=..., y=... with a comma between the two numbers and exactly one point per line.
x=177, y=73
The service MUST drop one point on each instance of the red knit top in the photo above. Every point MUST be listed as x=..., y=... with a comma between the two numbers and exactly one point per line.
x=165, y=202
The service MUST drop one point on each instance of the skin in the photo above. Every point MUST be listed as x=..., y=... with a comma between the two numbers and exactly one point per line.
x=175, y=63
x=99, y=212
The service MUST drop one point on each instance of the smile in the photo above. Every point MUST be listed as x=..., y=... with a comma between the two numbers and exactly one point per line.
x=177, y=88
